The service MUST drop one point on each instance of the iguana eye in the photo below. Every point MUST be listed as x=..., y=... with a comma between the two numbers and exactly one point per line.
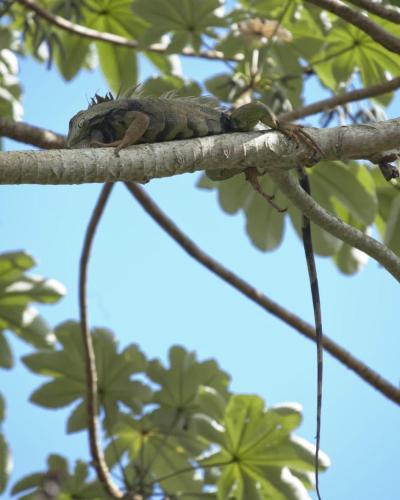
x=81, y=123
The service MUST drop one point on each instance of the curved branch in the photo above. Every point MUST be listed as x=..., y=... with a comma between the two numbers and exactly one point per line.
x=343, y=356
x=29, y=134
x=101, y=36
x=355, y=238
x=96, y=452
x=361, y=22
x=337, y=100
x=389, y=12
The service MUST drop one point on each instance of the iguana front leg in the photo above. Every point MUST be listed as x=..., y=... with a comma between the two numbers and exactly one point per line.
x=136, y=129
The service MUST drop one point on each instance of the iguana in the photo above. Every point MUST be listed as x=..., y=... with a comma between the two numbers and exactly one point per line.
x=123, y=122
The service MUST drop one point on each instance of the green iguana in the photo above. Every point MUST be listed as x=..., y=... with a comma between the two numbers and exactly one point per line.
x=123, y=122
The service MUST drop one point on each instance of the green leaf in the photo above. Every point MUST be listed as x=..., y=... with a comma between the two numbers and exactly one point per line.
x=27, y=324
x=27, y=483
x=17, y=291
x=392, y=235
x=148, y=444
x=387, y=219
x=66, y=367
x=78, y=420
x=186, y=19
x=5, y=463
x=257, y=448
x=264, y=224
x=350, y=184
x=118, y=15
x=70, y=56
x=156, y=86
x=119, y=66
x=13, y=264
x=64, y=484
x=181, y=383
x=6, y=356
x=57, y=393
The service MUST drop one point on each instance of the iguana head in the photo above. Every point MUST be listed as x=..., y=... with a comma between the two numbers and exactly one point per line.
x=80, y=133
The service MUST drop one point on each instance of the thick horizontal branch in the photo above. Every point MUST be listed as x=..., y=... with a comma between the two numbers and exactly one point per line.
x=240, y=150
x=121, y=41
x=291, y=319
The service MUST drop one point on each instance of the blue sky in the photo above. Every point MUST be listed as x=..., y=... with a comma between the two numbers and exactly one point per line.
x=144, y=288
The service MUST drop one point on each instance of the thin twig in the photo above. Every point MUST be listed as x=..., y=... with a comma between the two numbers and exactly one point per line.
x=101, y=36
x=337, y=100
x=96, y=451
x=361, y=369
x=189, y=469
x=389, y=12
x=362, y=22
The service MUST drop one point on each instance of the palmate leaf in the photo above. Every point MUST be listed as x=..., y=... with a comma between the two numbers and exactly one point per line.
x=187, y=385
x=187, y=20
x=349, y=49
x=257, y=452
x=17, y=292
x=68, y=384
x=62, y=483
x=155, y=454
x=119, y=64
x=346, y=190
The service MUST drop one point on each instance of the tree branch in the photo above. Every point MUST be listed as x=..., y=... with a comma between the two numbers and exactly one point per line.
x=337, y=100
x=140, y=163
x=355, y=238
x=389, y=12
x=101, y=36
x=343, y=356
x=96, y=452
x=361, y=22
x=28, y=134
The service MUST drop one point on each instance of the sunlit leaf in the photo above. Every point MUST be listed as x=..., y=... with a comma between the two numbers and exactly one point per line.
x=5, y=463
x=17, y=292
x=258, y=451
x=66, y=367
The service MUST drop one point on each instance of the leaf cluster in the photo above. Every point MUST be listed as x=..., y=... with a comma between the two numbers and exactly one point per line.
x=174, y=429
x=177, y=430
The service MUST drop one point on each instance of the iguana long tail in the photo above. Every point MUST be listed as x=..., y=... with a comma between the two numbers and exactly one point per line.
x=312, y=273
